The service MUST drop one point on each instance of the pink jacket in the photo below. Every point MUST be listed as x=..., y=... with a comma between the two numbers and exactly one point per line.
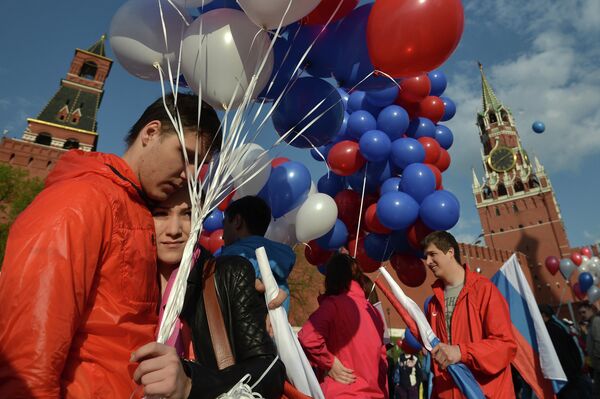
x=348, y=327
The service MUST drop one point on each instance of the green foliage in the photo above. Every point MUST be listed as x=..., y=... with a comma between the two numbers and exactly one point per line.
x=17, y=190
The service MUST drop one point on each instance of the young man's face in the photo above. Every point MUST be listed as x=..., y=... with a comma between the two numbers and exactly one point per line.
x=438, y=262
x=585, y=313
x=162, y=168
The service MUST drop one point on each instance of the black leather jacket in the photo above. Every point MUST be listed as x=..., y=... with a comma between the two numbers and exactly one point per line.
x=244, y=312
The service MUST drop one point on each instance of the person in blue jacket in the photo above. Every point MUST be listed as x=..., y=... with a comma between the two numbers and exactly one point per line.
x=244, y=226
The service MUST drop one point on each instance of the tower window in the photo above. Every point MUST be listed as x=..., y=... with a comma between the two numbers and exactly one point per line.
x=501, y=189
x=515, y=208
x=71, y=144
x=492, y=117
x=504, y=115
x=534, y=182
x=44, y=139
x=521, y=226
x=519, y=186
x=497, y=211
x=88, y=70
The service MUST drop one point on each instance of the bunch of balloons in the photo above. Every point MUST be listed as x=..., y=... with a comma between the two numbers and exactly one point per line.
x=588, y=272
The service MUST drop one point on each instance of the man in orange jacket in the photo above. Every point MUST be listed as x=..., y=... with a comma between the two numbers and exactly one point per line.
x=471, y=319
x=78, y=288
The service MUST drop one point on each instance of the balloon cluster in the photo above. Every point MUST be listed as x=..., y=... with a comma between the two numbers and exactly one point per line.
x=588, y=272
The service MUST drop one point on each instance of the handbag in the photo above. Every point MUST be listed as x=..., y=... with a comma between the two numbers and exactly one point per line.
x=222, y=347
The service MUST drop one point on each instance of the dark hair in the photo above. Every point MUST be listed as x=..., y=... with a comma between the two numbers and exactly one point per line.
x=254, y=212
x=586, y=305
x=546, y=309
x=444, y=241
x=187, y=104
x=341, y=270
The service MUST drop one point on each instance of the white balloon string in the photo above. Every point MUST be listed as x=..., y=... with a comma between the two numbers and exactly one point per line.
x=362, y=201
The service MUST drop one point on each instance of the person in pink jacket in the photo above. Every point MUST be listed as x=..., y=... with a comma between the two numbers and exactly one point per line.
x=343, y=338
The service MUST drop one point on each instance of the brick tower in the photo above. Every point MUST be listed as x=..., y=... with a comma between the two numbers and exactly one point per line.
x=68, y=120
x=515, y=200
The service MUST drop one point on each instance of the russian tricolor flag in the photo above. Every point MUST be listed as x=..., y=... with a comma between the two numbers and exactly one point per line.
x=536, y=358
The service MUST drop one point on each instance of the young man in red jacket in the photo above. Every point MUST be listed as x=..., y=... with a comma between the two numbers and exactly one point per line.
x=471, y=319
x=78, y=289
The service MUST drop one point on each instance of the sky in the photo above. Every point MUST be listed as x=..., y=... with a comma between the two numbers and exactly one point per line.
x=541, y=57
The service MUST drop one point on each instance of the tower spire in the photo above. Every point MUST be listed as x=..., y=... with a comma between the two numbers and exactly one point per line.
x=490, y=101
x=98, y=47
x=475, y=180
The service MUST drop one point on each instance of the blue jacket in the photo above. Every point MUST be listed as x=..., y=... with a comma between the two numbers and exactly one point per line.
x=281, y=258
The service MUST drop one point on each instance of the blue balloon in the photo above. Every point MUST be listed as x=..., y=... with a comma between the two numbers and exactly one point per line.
x=379, y=247
x=352, y=56
x=214, y=221
x=318, y=62
x=375, y=146
x=449, y=108
x=407, y=151
x=444, y=136
x=335, y=238
x=585, y=281
x=358, y=101
x=420, y=127
x=400, y=241
x=412, y=341
x=418, y=181
x=377, y=173
x=283, y=71
x=331, y=184
x=213, y=5
x=538, y=127
x=397, y=211
x=324, y=150
x=390, y=185
x=440, y=210
x=289, y=184
x=383, y=97
x=438, y=82
x=345, y=97
x=322, y=269
x=359, y=123
x=297, y=102
x=342, y=134
x=393, y=120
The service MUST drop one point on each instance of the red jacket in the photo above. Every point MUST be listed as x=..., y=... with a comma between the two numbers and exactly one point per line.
x=348, y=327
x=481, y=327
x=78, y=288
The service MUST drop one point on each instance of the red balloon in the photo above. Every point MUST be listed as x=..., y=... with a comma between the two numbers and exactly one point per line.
x=406, y=348
x=203, y=171
x=416, y=233
x=365, y=263
x=443, y=161
x=326, y=8
x=410, y=37
x=410, y=269
x=576, y=258
x=216, y=240
x=578, y=293
x=438, y=176
x=225, y=203
x=414, y=90
x=372, y=222
x=348, y=204
x=278, y=161
x=345, y=159
x=315, y=255
x=432, y=108
x=552, y=264
x=432, y=149
x=585, y=251
x=411, y=108
x=205, y=240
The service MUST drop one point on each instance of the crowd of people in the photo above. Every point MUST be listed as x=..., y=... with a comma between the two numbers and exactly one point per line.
x=90, y=263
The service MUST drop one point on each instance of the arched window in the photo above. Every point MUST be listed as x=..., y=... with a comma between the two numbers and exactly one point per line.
x=501, y=190
x=487, y=193
x=492, y=117
x=534, y=182
x=481, y=122
x=497, y=211
x=71, y=144
x=504, y=116
x=44, y=139
x=519, y=186
x=88, y=70
x=515, y=208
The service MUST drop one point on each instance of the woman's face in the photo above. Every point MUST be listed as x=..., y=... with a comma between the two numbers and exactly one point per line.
x=172, y=222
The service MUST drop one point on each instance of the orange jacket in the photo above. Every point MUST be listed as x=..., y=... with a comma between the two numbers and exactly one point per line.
x=481, y=327
x=78, y=288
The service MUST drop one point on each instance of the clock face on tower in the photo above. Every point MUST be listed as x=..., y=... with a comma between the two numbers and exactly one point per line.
x=502, y=159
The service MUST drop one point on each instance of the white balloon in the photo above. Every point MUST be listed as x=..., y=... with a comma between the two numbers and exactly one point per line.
x=593, y=294
x=316, y=217
x=190, y=3
x=281, y=231
x=584, y=268
x=222, y=51
x=137, y=40
x=252, y=160
x=268, y=14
